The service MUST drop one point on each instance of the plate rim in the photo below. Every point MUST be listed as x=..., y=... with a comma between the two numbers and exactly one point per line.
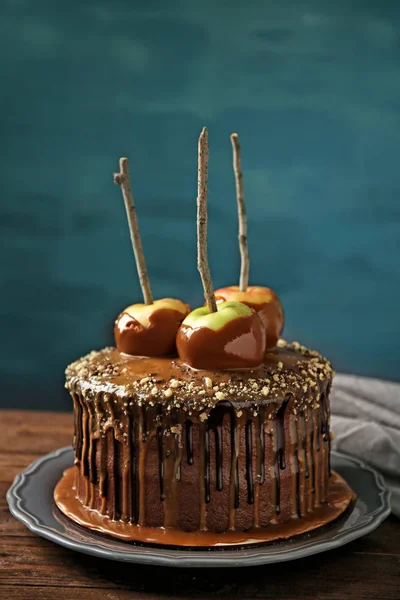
x=180, y=557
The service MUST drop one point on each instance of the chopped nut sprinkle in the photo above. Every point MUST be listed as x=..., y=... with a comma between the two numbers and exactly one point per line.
x=288, y=369
x=208, y=382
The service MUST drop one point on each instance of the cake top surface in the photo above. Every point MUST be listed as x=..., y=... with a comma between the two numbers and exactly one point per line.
x=288, y=369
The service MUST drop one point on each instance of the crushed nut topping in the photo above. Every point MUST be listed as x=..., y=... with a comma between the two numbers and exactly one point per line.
x=288, y=369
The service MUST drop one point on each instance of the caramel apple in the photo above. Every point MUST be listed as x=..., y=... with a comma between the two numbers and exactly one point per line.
x=225, y=336
x=264, y=301
x=231, y=338
x=150, y=329
x=147, y=329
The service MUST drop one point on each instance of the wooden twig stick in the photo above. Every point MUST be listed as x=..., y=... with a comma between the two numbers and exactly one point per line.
x=244, y=251
x=202, y=259
x=122, y=179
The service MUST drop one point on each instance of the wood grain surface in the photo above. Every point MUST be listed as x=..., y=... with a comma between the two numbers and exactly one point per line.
x=31, y=567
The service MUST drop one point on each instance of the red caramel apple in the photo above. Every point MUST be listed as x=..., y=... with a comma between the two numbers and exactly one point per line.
x=150, y=329
x=264, y=301
x=231, y=338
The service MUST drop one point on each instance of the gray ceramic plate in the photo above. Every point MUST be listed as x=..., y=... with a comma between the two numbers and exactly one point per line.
x=30, y=499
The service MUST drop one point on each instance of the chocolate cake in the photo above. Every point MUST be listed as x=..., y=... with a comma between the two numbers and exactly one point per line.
x=166, y=452
x=201, y=427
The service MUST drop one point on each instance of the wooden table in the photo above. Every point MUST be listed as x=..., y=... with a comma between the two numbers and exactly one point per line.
x=31, y=567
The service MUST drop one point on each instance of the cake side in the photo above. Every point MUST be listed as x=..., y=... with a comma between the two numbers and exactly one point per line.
x=161, y=445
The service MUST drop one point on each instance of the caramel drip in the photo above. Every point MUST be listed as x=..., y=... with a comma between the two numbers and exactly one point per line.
x=325, y=428
x=116, y=478
x=317, y=448
x=77, y=442
x=317, y=420
x=142, y=464
x=92, y=456
x=303, y=463
x=295, y=464
x=218, y=457
x=132, y=436
x=126, y=483
x=280, y=446
x=85, y=439
x=234, y=470
x=206, y=465
x=170, y=461
x=204, y=453
x=261, y=446
x=249, y=462
x=85, y=450
x=303, y=437
x=340, y=497
x=274, y=470
x=280, y=423
x=260, y=465
x=161, y=461
x=189, y=441
x=310, y=428
x=144, y=429
x=178, y=420
x=215, y=423
x=103, y=479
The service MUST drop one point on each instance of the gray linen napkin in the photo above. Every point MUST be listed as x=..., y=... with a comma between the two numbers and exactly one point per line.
x=366, y=423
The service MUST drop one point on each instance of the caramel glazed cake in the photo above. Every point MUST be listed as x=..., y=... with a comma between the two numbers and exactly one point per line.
x=165, y=454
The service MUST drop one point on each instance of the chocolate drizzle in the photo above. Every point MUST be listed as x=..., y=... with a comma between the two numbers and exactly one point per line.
x=296, y=469
x=249, y=462
x=215, y=422
x=206, y=466
x=235, y=445
x=302, y=421
x=117, y=478
x=144, y=424
x=189, y=441
x=103, y=480
x=85, y=445
x=317, y=437
x=280, y=448
x=78, y=427
x=131, y=437
x=280, y=425
x=261, y=447
x=160, y=460
x=325, y=429
x=218, y=457
x=312, y=454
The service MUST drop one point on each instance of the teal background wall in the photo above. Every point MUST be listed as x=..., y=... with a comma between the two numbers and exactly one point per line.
x=312, y=87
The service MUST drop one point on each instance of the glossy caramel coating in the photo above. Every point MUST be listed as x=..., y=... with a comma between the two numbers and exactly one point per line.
x=158, y=339
x=239, y=344
x=270, y=310
x=272, y=316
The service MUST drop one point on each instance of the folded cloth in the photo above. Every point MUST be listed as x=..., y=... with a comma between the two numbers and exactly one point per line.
x=366, y=424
